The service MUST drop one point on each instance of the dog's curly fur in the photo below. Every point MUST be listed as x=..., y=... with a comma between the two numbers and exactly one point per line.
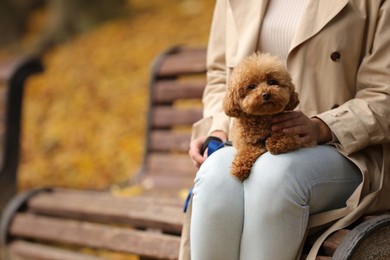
x=259, y=87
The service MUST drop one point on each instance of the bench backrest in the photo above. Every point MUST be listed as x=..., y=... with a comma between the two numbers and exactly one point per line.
x=176, y=87
x=13, y=74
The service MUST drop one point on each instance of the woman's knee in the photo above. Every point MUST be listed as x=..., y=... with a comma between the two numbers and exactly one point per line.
x=214, y=172
x=214, y=185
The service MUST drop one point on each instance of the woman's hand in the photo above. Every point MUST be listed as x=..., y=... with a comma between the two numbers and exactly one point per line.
x=310, y=130
x=196, y=147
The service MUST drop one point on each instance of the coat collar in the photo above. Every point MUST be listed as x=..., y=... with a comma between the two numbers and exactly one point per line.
x=318, y=13
x=248, y=15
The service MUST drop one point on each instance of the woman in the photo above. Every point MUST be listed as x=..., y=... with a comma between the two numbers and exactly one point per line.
x=338, y=55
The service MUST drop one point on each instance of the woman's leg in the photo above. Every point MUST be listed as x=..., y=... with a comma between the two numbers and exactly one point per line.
x=217, y=210
x=283, y=190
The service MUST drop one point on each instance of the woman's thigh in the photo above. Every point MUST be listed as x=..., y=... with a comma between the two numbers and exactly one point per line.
x=318, y=177
x=283, y=190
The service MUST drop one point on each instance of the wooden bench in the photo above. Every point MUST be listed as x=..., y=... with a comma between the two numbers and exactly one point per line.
x=61, y=223
x=148, y=225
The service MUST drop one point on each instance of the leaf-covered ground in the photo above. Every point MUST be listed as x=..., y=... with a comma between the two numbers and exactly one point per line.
x=84, y=118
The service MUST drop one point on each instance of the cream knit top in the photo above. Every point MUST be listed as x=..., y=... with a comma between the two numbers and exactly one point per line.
x=279, y=25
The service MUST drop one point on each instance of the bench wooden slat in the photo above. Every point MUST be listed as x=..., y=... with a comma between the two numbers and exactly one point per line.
x=120, y=200
x=190, y=61
x=168, y=218
x=168, y=91
x=7, y=67
x=167, y=116
x=165, y=141
x=330, y=245
x=170, y=164
x=26, y=250
x=3, y=91
x=149, y=244
x=167, y=184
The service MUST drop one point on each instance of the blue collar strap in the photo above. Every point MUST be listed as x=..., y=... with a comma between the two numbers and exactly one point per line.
x=214, y=146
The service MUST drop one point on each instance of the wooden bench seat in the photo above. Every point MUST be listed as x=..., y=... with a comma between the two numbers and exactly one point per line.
x=145, y=226
x=62, y=224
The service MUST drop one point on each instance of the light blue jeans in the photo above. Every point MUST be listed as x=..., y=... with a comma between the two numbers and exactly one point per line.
x=265, y=217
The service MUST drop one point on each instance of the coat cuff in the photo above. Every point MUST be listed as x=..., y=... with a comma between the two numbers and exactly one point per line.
x=351, y=137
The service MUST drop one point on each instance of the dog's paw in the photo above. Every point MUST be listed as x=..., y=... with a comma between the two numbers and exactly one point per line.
x=280, y=143
x=239, y=170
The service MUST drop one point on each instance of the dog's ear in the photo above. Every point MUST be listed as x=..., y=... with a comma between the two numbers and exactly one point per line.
x=293, y=103
x=231, y=103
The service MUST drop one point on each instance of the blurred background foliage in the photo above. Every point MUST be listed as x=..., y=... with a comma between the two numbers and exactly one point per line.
x=84, y=117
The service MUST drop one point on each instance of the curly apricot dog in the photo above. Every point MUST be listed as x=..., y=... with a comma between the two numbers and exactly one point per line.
x=259, y=87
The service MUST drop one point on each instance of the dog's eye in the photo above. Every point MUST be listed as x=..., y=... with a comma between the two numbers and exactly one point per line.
x=272, y=82
x=251, y=86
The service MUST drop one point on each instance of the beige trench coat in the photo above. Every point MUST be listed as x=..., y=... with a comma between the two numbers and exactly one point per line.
x=340, y=63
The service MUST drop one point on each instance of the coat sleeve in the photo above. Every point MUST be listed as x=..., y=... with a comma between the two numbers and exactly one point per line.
x=214, y=117
x=365, y=120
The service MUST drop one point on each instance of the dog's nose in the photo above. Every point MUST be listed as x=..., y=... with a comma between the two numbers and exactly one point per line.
x=266, y=96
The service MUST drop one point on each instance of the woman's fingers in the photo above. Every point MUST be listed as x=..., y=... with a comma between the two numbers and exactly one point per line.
x=195, y=149
x=296, y=123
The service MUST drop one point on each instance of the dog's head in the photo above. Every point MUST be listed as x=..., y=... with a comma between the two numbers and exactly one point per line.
x=259, y=85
